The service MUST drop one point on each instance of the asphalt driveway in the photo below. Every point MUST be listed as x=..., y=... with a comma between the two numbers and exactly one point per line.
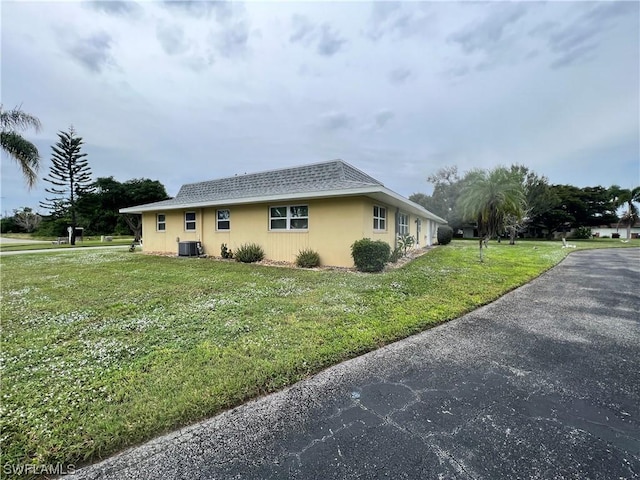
x=543, y=383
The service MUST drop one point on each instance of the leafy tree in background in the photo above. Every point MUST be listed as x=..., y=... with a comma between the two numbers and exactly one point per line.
x=16, y=146
x=447, y=186
x=8, y=225
x=488, y=197
x=600, y=209
x=99, y=209
x=548, y=207
x=27, y=219
x=568, y=210
x=626, y=197
x=141, y=191
x=70, y=176
x=579, y=207
x=539, y=197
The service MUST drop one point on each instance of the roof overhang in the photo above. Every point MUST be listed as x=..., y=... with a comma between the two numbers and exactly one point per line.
x=376, y=192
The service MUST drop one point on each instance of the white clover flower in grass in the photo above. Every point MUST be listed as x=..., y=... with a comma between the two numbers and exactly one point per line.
x=19, y=293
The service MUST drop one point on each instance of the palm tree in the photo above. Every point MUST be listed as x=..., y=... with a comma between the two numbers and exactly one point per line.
x=629, y=197
x=488, y=198
x=16, y=146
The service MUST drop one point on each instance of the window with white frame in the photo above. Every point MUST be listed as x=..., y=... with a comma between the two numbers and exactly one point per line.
x=403, y=224
x=379, y=218
x=291, y=217
x=223, y=221
x=161, y=222
x=189, y=221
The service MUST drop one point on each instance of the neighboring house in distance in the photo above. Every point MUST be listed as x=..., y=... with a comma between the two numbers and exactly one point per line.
x=609, y=230
x=323, y=207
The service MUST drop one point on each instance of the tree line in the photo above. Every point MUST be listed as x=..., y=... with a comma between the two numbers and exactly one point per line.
x=75, y=199
x=513, y=200
x=501, y=201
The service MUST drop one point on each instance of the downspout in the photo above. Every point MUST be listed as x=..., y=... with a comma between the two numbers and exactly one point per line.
x=200, y=218
x=397, y=228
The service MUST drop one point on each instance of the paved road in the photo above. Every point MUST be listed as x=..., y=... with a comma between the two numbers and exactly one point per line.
x=13, y=241
x=61, y=250
x=9, y=241
x=543, y=383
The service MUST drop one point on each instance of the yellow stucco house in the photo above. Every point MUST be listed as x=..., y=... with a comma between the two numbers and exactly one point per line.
x=323, y=207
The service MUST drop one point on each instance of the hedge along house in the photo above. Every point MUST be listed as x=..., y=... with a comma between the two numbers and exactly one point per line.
x=323, y=207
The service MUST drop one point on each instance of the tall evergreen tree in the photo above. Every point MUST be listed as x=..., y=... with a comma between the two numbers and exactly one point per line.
x=70, y=176
x=16, y=146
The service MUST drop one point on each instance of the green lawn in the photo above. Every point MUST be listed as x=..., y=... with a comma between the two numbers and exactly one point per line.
x=102, y=349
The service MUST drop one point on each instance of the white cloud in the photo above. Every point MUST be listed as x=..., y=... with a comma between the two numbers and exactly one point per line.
x=186, y=92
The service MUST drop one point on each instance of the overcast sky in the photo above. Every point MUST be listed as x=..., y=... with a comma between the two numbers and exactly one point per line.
x=187, y=91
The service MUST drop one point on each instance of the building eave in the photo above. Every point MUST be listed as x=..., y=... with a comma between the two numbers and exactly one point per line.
x=376, y=192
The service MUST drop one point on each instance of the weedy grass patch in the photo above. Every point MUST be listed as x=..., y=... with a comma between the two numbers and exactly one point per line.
x=104, y=349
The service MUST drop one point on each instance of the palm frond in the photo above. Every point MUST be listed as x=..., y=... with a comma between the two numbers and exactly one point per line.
x=24, y=153
x=16, y=119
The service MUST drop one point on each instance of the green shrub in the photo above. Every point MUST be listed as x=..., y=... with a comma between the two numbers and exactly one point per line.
x=405, y=242
x=308, y=258
x=582, y=232
x=370, y=256
x=395, y=255
x=249, y=253
x=445, y=234
x=225, y=252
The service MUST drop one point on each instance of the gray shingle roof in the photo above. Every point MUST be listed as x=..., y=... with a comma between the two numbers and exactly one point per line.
x=326, y=176
x=317, y=180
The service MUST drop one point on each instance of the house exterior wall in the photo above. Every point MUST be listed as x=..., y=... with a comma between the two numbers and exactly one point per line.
x=334, y=224
x=608, y=231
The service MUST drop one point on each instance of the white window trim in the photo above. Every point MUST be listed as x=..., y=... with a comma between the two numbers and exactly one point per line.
x=218, y=229
x=158, y=222
x=288, y=218
x=379, y=218
x=194, y=221
x=400, y=224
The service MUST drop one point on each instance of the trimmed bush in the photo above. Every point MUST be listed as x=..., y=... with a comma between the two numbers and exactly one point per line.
x=445, y=234
x=249, y=253
x=582, y=232
x=307, y=258
x=370, y=256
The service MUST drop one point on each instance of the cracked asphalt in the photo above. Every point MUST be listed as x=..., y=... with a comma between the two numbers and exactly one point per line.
x=543, y=383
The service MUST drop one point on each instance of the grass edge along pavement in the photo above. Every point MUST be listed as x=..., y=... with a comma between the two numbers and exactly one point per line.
x=102, y=350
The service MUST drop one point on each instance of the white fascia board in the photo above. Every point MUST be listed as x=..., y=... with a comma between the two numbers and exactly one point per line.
x=247, y=200
x=376, y=192
x=407, y=205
